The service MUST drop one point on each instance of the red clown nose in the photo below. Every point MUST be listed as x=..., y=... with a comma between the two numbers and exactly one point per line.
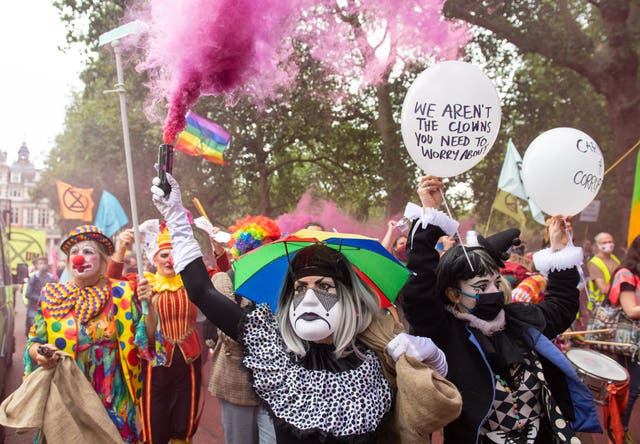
x=77, y=260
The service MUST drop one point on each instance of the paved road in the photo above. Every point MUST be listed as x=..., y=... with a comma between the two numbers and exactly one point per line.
x=210, y=430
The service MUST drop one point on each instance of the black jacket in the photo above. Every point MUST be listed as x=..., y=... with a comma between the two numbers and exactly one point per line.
x=468, y=368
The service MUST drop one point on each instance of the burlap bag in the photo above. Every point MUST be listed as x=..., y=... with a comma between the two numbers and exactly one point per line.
x=62, y=403
x=424, y=401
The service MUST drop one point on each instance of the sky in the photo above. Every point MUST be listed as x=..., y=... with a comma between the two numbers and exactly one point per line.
x=36, y=78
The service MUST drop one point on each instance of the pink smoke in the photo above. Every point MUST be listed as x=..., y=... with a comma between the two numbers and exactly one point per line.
x=242, y=47
x=330, y=216
x=388, y=36
x=204, y=47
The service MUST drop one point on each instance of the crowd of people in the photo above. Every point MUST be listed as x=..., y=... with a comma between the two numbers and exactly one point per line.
x=471, y=347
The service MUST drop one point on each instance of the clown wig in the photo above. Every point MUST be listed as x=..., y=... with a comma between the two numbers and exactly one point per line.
x=252, y=232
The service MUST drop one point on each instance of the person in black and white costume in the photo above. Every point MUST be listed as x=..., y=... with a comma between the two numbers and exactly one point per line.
x=317, y=380
x=516, y=386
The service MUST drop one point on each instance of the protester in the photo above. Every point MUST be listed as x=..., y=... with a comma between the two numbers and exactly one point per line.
x=244, y=420
x=308, y=364
x=516, y=386
x=587, y=250
x=93, y=319
x=445, y=243
x=251, y=232
x=625, y=293
x=172, y=370
x=130, y=263
x=313, y=225
x=40, y=277
x=399, y=244
x=600, y=268
x=61, y=266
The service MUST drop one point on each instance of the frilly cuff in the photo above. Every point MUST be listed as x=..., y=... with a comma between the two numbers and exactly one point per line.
x=569, y=257
x=431, y=216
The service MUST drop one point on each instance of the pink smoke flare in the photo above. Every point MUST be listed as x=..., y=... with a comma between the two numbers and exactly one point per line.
x=243, y=47
x=205, y=47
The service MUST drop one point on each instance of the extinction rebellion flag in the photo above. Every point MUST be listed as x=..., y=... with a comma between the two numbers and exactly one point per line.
x=75, y=203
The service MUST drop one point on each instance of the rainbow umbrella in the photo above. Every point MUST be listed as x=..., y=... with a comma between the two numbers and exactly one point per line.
x=260, y=274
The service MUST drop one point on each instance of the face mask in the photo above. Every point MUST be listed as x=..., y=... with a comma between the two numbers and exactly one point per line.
x=401, y=253
x=488, y=305
x=43, y=268
x=315, y=314
x=607, y=247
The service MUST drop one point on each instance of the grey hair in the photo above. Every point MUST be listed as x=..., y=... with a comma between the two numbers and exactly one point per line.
x=599, y=236
x=360, y=306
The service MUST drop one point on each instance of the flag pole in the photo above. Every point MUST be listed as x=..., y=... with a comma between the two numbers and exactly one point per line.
x=486, y=228
x=114, y=37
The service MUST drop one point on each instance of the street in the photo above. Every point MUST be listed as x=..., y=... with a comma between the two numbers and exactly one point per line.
x=210, y=429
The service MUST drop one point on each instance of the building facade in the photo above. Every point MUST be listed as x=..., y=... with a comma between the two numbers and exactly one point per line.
x=19, y=209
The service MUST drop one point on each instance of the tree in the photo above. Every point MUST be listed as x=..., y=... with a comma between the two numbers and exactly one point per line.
x=348, y=148
x=362, y=45
x=598, y=40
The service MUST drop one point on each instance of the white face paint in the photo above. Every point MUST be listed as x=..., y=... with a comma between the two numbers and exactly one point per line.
x=85, y=260
x=315, y=311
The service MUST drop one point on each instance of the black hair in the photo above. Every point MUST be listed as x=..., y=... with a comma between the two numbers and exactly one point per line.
x=454, y=267
x=317, y=259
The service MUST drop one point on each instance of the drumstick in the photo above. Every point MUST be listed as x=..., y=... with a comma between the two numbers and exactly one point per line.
x=586, y=332
x=200, y=208
x=617, y=344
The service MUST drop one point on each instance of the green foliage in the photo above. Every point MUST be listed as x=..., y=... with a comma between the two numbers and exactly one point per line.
x=351, y=152
x=570, y=63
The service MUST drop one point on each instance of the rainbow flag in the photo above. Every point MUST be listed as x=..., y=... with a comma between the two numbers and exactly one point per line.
x=203, y=138
x=634, y=219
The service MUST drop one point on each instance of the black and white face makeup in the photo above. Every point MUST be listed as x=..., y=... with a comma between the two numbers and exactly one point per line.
x=471, y=289
x=315, y=310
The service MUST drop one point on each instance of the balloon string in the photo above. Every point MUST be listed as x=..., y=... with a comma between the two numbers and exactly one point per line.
x=464, y=249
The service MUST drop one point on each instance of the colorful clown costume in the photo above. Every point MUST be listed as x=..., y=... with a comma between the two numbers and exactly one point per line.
x=95, y=325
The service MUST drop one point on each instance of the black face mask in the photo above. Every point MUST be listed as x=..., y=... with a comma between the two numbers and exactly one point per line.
x=488, y=305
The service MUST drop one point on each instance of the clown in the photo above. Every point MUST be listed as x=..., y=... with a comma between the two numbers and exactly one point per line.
x=172, y=370
x=517, y=387
x=313, y=364
x=94, y=319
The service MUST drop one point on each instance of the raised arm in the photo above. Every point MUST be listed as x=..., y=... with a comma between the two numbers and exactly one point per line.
x=561, y=261
x=187, y=258
x=116, y=263
x=423, y=307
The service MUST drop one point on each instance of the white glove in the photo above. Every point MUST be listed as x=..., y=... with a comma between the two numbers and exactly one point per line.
x=185, y=247
x=420, y=348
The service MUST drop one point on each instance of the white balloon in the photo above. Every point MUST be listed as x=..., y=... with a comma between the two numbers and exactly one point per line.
x=562, y=171
x=450, y=118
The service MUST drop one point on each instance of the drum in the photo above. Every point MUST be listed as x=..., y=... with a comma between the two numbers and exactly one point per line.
x=597, y=371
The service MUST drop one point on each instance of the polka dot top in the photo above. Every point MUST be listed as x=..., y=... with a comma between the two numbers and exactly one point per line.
x=321, y=402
